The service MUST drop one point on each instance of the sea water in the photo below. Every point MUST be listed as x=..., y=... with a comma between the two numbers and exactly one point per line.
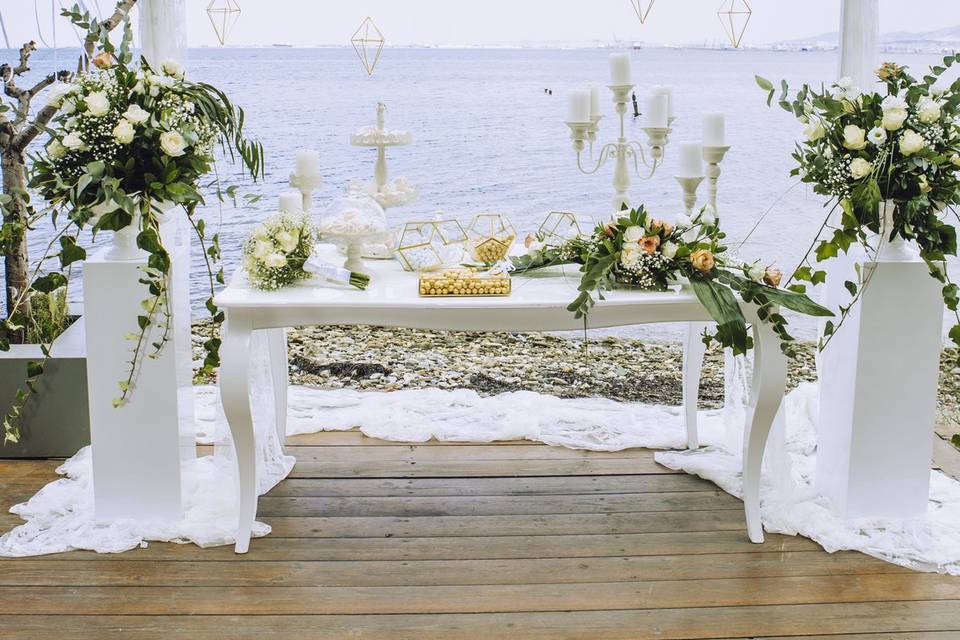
x=488, y=137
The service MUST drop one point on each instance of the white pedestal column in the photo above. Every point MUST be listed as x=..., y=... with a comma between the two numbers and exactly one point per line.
x=878, y=396
x=137, y=448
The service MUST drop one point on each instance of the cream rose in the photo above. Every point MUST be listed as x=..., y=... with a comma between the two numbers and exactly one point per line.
x=708, y=217
x=630, y=255
x=702, y=260
x=288, y=241
x=136, y=114
x=172, y=68
x=772, y=277
x=929, y=111
x=911, y=142
x=633, y=234
x=924, y=185
x=669, y=250
x=854, y=137
x=955, y=159
x=58, y=92
x=860, y=168
x=262, y=248
x=814, y=131
x=56, y=150
x=98, y=104
x=756, y=272
x=893, y=119
x=123, y=132
x=172, y=143
x=275, y=260
x=72, y=141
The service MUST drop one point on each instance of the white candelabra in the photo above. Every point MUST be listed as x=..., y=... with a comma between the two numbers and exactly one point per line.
x=584, y=123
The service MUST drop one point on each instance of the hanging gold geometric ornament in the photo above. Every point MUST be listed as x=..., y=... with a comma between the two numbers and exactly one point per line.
x=368, y=41
x=638, y=6
x=734, y=16
x=223, y=16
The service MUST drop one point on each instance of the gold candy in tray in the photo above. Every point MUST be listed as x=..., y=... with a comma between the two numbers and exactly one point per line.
x=463, y=282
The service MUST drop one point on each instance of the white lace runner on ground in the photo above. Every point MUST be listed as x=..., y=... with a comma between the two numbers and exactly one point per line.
x=60, y=516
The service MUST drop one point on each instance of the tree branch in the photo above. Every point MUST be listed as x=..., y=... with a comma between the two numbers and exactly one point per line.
x=23, y=139
x=122, y=10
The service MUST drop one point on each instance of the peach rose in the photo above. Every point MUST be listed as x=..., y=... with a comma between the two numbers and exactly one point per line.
x=702, y=260
x=610, y=229
x=529, y=240
x=772, y=277
x=103, y=60
x=661, y=225
x=649, y=244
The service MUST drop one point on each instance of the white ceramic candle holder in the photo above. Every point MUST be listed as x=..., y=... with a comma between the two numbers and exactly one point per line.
x=306, y=184
x=713, y=156
x=689, y=184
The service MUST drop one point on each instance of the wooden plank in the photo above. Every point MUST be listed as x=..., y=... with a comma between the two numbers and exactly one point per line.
x=472, y=468
x=922, y=635
x=514, y=525
x=467, y=548
x=405, y=506
x=646, y=624
x=376, y=573
x=544, y=485
x=357, y=438
x=420, y=453
x=272, y=600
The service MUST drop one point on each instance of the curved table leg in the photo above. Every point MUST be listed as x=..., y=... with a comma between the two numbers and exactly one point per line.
x=767, y=389
x=235, y=395
x=277, y=346
x=693, y=351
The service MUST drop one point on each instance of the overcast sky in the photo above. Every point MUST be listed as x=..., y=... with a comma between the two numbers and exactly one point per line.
x=309, y=22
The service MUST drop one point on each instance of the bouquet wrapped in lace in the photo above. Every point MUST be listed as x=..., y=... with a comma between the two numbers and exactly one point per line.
x=641, y=251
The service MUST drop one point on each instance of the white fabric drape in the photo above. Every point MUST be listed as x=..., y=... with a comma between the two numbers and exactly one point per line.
x=163, y=31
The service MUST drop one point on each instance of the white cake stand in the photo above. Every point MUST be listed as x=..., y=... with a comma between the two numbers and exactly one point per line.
x=353, y=246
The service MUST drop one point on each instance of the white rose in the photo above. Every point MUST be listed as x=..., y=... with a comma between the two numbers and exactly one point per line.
x=854, y=137
x=275, y=260
x=69, y=105
x=262, y=248
x=939, y=88
x=756, y=272
x=955, y=159
x=162, y=81
x=56, y=150
x=136, y=114
x=633, y=234
x=97, y=103
x=123, y=132
x=814, y=131
x=172, y=68
x=631, y=246
x=669, y=250
x=288, y=241
x=172, y=143
x=860, y=168
x=58, y=92
x=629, y=257
x=893, y=102
x=929, y=111
x=893, y=119
x=260, y=233
x=683, y=220
x=708, y=217
x=72, y=141
x=877, y=135
x=911, y=142
x=924, y=185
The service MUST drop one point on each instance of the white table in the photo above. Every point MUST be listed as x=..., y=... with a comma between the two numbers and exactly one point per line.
x=538, y=303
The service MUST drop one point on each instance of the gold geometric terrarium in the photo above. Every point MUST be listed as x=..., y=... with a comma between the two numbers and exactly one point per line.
x=223, y=16
x=559, y=226
x=368, y=42
x=489, y=237
x=642, y=8
x=734, y=16
x=430, y=245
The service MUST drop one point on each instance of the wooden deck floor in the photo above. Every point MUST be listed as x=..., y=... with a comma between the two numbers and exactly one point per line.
x=439, y=541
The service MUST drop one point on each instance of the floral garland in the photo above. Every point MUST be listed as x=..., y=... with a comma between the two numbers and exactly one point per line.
x=638, y=250
x=900, y=146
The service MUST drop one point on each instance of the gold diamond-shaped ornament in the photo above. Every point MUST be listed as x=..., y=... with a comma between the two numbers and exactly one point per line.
x=368, y=42
x=223, y=16
x=734, y=16
x=642, y=8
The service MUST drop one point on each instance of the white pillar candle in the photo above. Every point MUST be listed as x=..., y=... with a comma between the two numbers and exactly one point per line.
x=579, y=107
x=691, y=159
x=665, y=90
x=714, y=129
x=595, y=101
x=655, y=111
x=291, y=201
x=308, y=162
x=620, y=69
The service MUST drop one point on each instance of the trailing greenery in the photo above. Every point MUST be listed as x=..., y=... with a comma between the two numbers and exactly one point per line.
x=47, y=316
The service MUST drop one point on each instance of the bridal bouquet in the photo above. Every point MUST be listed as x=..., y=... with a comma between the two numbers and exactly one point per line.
x=640, y=251
x=889, y=160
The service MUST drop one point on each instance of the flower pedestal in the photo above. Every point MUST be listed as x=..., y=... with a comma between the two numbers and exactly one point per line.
x=878, y=393
x=138, y=447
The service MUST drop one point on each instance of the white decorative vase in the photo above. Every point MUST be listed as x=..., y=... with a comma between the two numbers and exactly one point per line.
x=124, y=248
x=896, y=249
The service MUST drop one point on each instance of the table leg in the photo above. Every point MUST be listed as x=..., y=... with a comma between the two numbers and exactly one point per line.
x=277, y=346
x=235, y=396
x=767, y=389
x=693, y=351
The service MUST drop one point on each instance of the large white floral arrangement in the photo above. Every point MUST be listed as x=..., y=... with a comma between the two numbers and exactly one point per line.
x=899, y=145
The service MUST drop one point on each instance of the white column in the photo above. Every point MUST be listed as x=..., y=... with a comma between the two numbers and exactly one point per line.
x=163, y=30
x=859, y=37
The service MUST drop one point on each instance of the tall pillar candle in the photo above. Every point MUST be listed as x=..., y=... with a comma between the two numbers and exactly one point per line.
x=620, y=74
x=579, y=110
x=666, y=91
x=657, y=111
x=714, y=129
x=595, y=101
x=691, y=159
